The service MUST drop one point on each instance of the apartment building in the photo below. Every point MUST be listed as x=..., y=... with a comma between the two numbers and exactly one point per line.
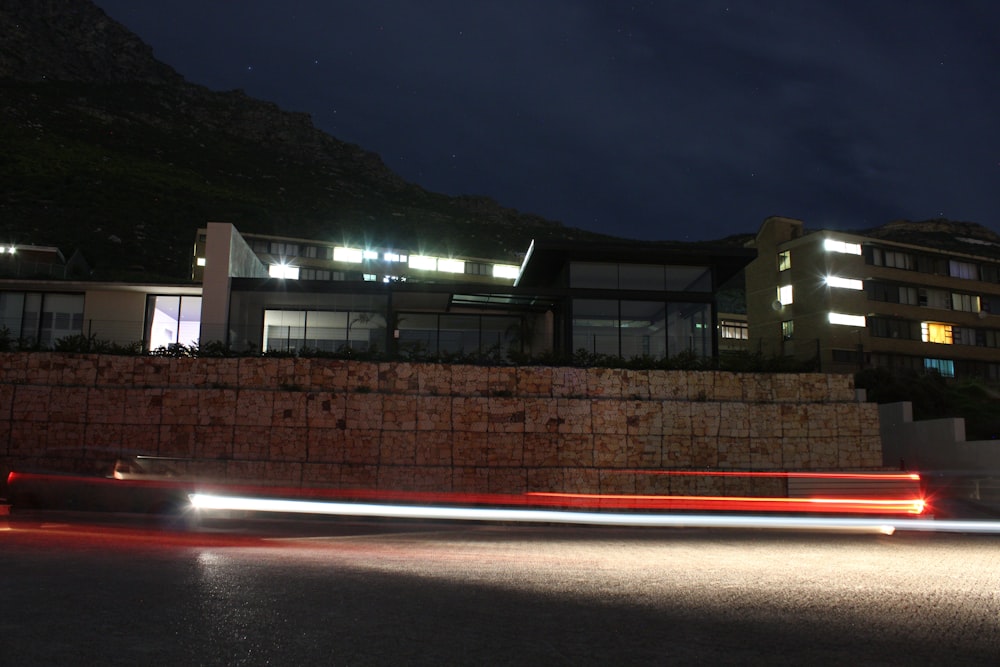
x=850, y=301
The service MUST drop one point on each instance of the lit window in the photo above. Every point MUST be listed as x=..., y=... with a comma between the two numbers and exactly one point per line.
x=832, y=245
x=785, y=295
x=370, y=277
x=784, y=260
x=369, y=254
x=351, y=255
x=787, y=329
x=936, y=332
x=966, y=302
x=391, y=257
x=733, y=330
x=283, y=271
x=959, y=269
x=848, y=320
x=946, y=367
x=505, y=271
x=200, y=261
x=846, y=283
x=423, y=262
x=451, y=265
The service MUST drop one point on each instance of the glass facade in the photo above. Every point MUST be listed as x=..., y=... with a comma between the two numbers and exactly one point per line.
x=173, y=320
x=41, y=318
x=631, y=329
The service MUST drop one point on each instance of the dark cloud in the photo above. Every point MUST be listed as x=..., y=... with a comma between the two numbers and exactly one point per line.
x=655, y=120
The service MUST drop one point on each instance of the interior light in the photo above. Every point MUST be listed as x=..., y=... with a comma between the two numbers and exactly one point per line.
x=350, y=255
x=369, y=254
x=200, y=261
x=846, y=283
x=424, y=262
x=832, y=245
x=451, y=265
x=391, y=257
x=283, y=271
x=505, y=271
x=785, y=295
x=849, y=320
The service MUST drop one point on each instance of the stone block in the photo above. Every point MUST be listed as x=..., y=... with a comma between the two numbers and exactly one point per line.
x=644, y=451
x=434, y=413
x=609, y=416
x=635, y=384
x=505, y=415
x=177, y=440
x=399, y=412
x=610, y=451
x=604, y=383
x=469, y=449
x=216, y=407
x=214, y=442
x=574, y=416
x=569, y=382
x=434, y=380
x=728, y=386
x=706, y=419
x=326, y=445
x=288, y=443
x=30, y=403
x=178, y=406
x=398, y=378
x=575, y=449
x=321, y=475
x=144, y=406
x=545, y=480
x=434, y=448
x=502, y=381
x=290, y=408
x=358, y=477
x=540, y=415
x=541, y=450
x=469, y=381
x=616, y=482
x=507, y=480
x=644, y=417
x=505, y=449
x=326, y=410
x=398, y=448
x=469, y=414
x=581, y=480
x=361, y=446
x=469, y=479
x=704, y=451
x=362, y=377
x=329, y=375
x=251, y=442
x=668, y=385
x=733, y=453
x=677, y=451
x=534, y=381
x=363, y=411
x=764, y=420
x=734, y=420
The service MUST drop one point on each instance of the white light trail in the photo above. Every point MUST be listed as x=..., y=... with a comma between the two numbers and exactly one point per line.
x=882, y=525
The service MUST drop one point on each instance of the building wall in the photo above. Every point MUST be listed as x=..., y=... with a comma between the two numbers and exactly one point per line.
x=846, y=348
x=349, y=424
x=933, y=444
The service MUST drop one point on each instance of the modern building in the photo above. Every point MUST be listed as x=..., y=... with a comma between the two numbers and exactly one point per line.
x=267, y=293
x=849, y=302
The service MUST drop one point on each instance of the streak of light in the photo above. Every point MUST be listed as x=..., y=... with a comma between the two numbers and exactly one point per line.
x=886, y=526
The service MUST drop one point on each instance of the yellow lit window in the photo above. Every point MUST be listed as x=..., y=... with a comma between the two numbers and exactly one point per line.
x=936, y=332
x=785, y=294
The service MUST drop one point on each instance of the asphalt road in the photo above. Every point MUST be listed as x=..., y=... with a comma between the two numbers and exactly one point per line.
x=343, y=592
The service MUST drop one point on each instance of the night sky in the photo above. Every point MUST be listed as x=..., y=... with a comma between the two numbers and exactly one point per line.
x=684, y=120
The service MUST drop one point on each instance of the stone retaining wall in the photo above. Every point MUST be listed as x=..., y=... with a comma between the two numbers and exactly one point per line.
x=351, y=424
